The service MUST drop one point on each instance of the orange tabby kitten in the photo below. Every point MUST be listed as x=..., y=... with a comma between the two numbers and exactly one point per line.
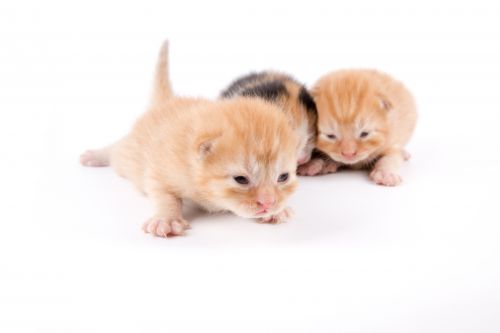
x=237, y=155
x=365, y=118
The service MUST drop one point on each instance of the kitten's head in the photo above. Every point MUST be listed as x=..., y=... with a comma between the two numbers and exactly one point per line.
x=352, y=116
x=246, y=159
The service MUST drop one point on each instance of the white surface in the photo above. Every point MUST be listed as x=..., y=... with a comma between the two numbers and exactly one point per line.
x=423, y=257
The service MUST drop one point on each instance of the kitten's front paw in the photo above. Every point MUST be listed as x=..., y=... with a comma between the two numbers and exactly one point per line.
x=162, y=226
x=385, y=177
x=311, y=168
x=285, y=215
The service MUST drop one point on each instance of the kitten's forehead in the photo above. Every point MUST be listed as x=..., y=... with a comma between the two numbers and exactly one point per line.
x=344, y=95
x=259, y=166
x=328, y=122
x=349, y=108
x=272, y=166
x=259, y=136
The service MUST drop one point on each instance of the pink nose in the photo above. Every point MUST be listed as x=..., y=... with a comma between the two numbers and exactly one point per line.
x=266, y=202
x=349, y=155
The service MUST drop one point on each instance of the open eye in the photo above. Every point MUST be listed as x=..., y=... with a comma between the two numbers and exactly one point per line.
x=241, y=180
x=364, y=134
x=331, y=136
x=283, y=177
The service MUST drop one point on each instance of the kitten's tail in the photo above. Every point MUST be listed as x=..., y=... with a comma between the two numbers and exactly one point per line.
x=162, y=90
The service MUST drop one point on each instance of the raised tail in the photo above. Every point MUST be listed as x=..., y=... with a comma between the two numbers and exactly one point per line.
x=162, y=89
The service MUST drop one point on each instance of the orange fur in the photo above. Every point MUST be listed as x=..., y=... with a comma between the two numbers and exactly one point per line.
x=302, y=120
x=365, y=117
x=184, y=148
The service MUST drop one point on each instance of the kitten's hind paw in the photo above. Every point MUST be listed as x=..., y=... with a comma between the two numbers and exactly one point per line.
x=330, y=167
x=385, y=177
x=95, y=158
x=285, y=215
x=311, y=168
x=318, y=166
x=164, y=226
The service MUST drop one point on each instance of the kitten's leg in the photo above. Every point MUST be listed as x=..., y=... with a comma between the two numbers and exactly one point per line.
x=283, y=216
x=311, y=168
x=386, y=170
x=168, y=220
x=318, y=166
x=96, y=158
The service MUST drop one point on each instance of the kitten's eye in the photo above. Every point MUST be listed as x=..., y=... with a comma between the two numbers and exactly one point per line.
x=364, y=134
x=241, y=180
x=283, y=177
x=331, y=136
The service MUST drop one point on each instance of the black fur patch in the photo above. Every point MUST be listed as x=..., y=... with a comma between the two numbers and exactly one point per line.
x=306, y=99
x=240, y=83
x=269, y=91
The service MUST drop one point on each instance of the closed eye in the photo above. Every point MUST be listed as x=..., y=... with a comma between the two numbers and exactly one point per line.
x=331, y=136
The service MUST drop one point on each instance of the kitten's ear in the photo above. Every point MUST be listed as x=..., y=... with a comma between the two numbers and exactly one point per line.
x=385, y=103
x=205, y=143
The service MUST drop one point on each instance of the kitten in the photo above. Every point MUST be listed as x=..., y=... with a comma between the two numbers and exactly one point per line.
x=291, y=96
x=365, y=118
x=234, y=155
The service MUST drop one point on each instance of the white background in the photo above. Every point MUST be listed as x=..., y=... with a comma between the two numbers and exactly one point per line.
x=423, y=257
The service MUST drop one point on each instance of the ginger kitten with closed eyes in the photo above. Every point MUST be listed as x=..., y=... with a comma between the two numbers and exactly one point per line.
x=365, y=119
x=235, y=155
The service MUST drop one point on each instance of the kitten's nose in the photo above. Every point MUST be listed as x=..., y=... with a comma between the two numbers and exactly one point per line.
x=266, y=201
x=349, y=155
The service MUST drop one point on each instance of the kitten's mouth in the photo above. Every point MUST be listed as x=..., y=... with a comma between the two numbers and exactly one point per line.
x=266, y=212
x=262, y=211
x=349, y=160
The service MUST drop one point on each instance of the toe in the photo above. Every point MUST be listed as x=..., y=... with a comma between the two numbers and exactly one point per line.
x=163, y=229
x=151, y=226
x=386, y=178
x=177, y=227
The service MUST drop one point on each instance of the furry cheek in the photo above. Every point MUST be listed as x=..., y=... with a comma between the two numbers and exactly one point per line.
x=327, y=146
x=372, y=144
x=287, y=189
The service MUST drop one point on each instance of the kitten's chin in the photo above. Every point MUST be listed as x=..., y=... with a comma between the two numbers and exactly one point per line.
x=256, y=214
x=353, y=161
x=253, y=215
